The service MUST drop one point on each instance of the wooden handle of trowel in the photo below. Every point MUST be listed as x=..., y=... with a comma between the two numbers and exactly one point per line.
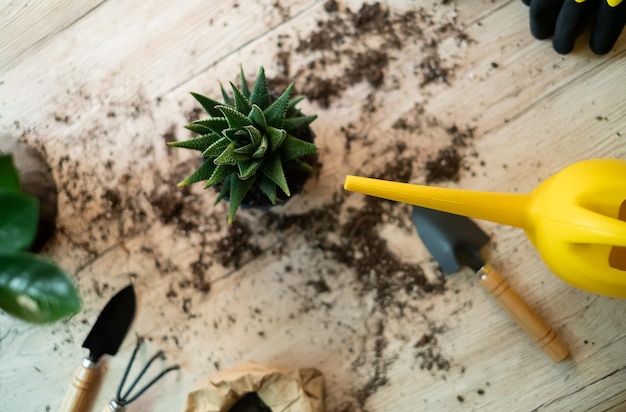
x=519, y=310
x=79, y=396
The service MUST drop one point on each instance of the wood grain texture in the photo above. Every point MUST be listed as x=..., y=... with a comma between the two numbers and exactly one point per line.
x=98, y=85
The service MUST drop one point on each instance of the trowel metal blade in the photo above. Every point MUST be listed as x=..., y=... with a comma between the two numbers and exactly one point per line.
x=449, y=238
x=110, y=328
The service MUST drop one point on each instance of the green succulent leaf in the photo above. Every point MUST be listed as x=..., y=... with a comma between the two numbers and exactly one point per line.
x=277, y=137
x=247, y=149
x=220, y=174
x=294, y=123
x=242, y=104
x=273, y=168
x=297, y=164
x=199, y=143
x=34, y=289
x=257, y=117
x=248, y=169
x=9, y=178
x=250, y=141
x=268, y=187
x=225, y=96
x=216, y=148
x=293, y=148
x=235, y=119
x=204, y=172
x=294, y=101
x=19, y=217
x=261, y=149
x=275, y=113
x=230, y=157
x=260, y=95
x=238, y=190
x=255, y=135
x=244, y=83
x=208, y=104
x=208, y=126
x=225, y=189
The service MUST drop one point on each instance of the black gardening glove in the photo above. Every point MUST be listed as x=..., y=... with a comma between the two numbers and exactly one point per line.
x=566, y=19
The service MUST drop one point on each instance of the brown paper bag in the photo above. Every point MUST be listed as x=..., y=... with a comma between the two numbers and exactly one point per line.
x=281, y=390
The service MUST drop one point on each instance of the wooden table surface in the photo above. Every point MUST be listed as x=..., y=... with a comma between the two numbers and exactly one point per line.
x=99, y=86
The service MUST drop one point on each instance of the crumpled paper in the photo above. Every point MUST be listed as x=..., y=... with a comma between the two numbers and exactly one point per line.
x=281, y=390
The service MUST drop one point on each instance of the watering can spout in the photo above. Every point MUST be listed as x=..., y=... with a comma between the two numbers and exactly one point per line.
x=503, y=208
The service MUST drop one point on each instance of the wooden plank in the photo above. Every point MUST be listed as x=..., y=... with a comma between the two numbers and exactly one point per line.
x=26, y=26
x=103, y=97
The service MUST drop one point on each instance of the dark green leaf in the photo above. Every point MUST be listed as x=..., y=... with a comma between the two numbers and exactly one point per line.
x=268, y=187
x=216, y=148
x=255, y=135
x=242, y=104
x=225, y=190
x=238, y=190
x=34, y=289
x=225, y=96
x=260, y=151
x=9, y=178
x=204, y=172
x=229, y=157
x=275, y=113
x=260, y=96
x=294, y=101
x=208, y=126
x=244, y=83
x=273, y=169
x=257, y=117
x=292, y=124
x=248, y=169
x=297, y=164
x=277, y=137
x=235, y=119
x=19, y=217
x=293, y=148
x=199, y=143
x=220, y=173
x=208, y=104
x=247, y=149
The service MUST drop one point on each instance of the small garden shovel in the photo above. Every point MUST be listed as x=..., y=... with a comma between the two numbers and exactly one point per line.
x=456, y=240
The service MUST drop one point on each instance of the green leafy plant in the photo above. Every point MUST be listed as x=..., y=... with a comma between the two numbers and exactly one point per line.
x=31, y=287
x=250, y=143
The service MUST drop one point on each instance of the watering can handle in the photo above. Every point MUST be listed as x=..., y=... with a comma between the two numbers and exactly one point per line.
x=519, y=310
x=586, y=226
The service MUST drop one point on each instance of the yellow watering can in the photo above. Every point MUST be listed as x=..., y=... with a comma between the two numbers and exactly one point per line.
x=576, y=219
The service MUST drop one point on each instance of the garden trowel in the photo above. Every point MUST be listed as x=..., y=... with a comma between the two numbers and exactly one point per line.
x=105, y=337
x=456, y=241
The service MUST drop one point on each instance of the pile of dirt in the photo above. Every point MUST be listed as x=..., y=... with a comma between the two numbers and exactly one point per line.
x=358, y=46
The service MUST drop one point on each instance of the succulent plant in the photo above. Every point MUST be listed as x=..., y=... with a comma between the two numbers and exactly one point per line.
x=250, y=142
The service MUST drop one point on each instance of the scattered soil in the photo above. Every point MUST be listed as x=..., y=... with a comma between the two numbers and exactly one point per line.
x=428, y=352
x=445, y=167
x=380, y=365
x=359, y=45
x=347, y=49
x=235, y=248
